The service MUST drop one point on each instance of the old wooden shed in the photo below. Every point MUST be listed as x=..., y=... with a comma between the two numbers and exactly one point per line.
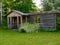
x=16, y=18
x=48, y=20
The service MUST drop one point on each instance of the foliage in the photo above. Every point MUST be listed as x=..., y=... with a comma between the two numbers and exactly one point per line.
x=22, y=30
x=0, y=0
x=57, y=5
x=29, y=27
x=58, y=23
x=49, y=4
x=46, y=5
x=21, y=5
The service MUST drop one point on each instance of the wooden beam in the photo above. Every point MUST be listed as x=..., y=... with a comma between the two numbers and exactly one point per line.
x=17, y=22
x=26, y=19
x=10, y=23
x=34, y=19
x=21, y=19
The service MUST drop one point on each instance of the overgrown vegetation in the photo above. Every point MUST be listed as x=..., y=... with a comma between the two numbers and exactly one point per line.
x=49, y=4
x=25, y=6
x=29, y=27
x=58, y=23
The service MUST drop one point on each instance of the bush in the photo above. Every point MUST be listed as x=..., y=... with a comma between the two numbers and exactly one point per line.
x=29, y=27
x=58, y=23
x=22, y=30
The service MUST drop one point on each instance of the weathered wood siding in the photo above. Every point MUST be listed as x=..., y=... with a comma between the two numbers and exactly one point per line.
x=31, y=19
x=13, y=20
x=48, y=22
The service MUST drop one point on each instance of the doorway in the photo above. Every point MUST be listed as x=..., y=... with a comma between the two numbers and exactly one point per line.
x=14, y=23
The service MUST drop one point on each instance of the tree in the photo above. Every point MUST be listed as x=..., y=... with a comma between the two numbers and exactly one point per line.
x=49, y=4
x=25, y=6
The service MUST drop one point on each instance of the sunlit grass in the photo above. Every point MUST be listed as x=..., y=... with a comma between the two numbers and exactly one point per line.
x=8, y=37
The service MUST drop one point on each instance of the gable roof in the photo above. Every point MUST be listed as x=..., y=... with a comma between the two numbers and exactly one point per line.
x=19, y=12
x=36, y=13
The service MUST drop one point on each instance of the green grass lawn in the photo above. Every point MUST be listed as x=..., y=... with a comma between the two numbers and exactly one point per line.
x=8, y=37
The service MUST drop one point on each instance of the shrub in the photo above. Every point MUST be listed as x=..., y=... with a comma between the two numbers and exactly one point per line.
x=58, y=23
x=22, y=30
x=29, y=27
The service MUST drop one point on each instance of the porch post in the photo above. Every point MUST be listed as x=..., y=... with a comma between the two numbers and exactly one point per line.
x=36, y=19
x=10, y=22
x=26, y=19
x=21, y=19
x=17, y=22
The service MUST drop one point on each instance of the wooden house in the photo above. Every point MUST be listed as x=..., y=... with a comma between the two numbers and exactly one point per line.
x=16, y=18
x=47, y=19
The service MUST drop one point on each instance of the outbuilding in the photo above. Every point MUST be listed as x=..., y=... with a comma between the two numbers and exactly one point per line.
x=16, y=18
x=47, y=19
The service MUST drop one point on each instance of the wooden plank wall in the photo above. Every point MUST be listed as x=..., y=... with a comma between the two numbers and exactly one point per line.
x=31, y=19
x=48, y=22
